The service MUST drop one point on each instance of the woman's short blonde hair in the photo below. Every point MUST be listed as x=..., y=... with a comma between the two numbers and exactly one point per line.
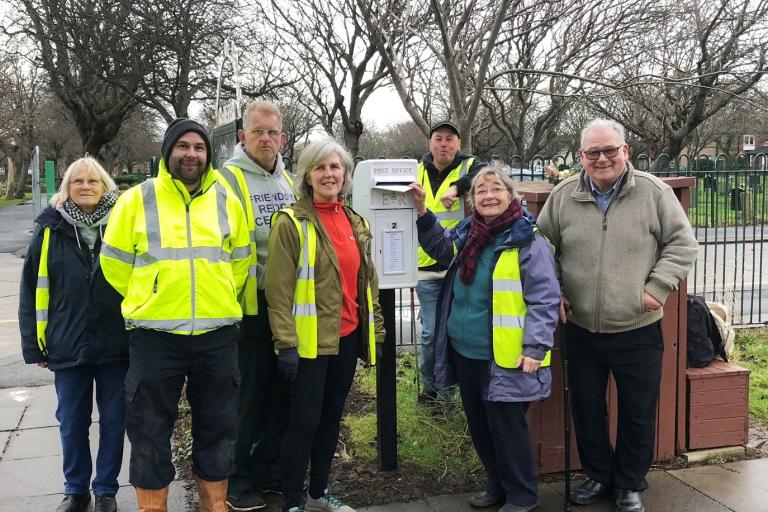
x=314, y=153
x=89, y=165
x=494, y=170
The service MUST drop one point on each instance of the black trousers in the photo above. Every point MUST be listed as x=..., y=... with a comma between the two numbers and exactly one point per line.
x=317, y=399
x=634, y=360
x=160, y=363
x=500, y=435
x=263, y=413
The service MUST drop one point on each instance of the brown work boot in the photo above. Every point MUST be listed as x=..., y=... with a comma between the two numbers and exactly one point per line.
x=152, y=500
x=213, y=495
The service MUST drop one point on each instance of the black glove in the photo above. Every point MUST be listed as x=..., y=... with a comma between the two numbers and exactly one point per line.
x=379, y=352
x=288, y=363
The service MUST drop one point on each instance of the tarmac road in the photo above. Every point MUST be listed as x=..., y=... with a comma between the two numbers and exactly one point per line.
x=16, y=223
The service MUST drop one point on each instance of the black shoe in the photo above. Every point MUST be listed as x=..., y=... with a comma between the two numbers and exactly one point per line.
x=75, y=503
x=105, y=503
x=246, y=500
x=427, y=398
x=588, y=492
x=628, y=501
x=269, y=487
x=484, y=499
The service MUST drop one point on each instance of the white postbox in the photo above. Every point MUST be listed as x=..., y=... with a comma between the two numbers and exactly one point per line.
x=381, y=194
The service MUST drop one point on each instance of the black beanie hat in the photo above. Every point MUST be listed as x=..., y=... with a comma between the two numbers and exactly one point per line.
x=179, y=127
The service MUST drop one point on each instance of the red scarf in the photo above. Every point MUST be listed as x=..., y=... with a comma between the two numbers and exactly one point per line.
x=480, y=235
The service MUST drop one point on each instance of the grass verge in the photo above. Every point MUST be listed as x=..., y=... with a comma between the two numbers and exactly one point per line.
x=11, y=202
x=431, y=442
x=751, y=351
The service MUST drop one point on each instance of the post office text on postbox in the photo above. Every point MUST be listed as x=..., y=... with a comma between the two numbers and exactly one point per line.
x=381, y=193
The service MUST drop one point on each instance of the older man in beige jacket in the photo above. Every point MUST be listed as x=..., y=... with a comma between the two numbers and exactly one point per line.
x=623, y=244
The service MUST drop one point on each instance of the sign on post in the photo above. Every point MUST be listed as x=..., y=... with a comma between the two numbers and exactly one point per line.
x=50, y=179
x=34, y=170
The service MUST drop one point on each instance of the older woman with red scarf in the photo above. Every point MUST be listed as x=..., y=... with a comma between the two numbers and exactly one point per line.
x=496, y=317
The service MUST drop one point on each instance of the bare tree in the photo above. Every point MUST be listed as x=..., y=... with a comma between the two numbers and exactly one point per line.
x=333, y=59
x=20, y=99
x=453, y=40
x=138, y=139
x=701, y=57
x=545, y=60
x=187, y=39
x=86, y=47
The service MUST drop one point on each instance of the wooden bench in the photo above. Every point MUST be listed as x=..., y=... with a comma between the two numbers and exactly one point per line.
x=718, y=408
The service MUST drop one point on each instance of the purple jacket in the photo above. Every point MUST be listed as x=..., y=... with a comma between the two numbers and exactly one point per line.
x=541, y=292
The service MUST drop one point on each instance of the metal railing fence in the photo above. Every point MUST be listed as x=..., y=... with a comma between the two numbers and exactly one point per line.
x=728, y=212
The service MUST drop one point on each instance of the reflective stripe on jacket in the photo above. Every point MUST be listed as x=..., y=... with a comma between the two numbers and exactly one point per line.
x=447, y=218
x=304, y=301
x=42, y=294
x=508, y=311
x=233, y=178
x=179, y=261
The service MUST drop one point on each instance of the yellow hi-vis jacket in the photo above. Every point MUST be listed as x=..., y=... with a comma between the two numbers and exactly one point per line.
x=179, y=261
x=233, y=177
x=304, y=305
x=508, y=311
x=447, y=218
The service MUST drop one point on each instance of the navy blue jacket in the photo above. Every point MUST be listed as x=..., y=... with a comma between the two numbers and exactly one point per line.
x=85, y=325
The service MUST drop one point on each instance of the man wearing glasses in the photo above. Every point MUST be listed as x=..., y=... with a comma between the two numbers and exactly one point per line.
x=257, y=175
x=623, y=243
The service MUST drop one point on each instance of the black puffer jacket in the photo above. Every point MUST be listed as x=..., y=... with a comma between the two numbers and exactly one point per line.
x=84, y=321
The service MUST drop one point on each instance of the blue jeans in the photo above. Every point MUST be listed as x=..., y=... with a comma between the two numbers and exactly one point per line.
x=74, y=390
x=427, y=291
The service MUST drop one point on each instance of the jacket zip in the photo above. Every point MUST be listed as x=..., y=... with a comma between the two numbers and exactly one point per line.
x=598, y=319
x=191, y=267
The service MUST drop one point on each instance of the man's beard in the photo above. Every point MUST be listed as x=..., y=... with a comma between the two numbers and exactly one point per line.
x=186, y=178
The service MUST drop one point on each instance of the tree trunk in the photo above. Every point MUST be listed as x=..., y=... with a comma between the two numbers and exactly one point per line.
x=11, y=181
x=352, y=135
x=20, y=185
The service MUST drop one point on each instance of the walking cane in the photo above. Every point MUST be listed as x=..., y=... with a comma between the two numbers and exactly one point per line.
x=566, y=421
x=415, y=344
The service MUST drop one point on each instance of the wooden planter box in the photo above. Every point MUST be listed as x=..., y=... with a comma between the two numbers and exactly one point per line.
x=718, y=412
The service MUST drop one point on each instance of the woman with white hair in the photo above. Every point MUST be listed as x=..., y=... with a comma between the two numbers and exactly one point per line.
x=496, y=317
x=324, y=312
x=71, y=323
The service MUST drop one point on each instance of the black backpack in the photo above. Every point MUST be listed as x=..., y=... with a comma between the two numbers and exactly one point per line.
x=704, y=340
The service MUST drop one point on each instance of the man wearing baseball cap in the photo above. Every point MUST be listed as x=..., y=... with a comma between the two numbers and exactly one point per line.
x=177, y=248
x=446, y=175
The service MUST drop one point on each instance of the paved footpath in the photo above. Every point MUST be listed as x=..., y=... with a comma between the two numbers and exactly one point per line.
x=31, y=476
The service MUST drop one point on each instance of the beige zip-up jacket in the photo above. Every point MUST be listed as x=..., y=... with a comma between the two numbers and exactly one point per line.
x=643, y=243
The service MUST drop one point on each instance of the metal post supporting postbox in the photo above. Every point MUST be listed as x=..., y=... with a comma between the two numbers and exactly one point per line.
x=386, y=395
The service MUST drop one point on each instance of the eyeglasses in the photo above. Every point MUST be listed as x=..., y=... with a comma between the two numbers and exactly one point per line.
x=495, y=191
x=80, y=183
x=594, y=154
x=273, y=134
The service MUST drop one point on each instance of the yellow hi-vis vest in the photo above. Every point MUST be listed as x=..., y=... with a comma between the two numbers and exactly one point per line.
x=508, y=311
x=180, y=262
x=42, y=293
x=304, y=304
x=235, y=180
x=447, y=218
